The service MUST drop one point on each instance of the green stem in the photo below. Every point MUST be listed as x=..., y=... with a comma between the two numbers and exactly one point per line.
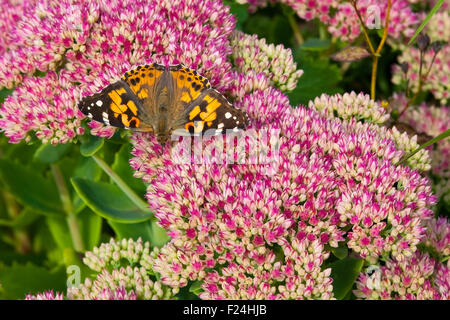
x=21, y=238
x=66, y=200
x=121, y=184
x=295, y=29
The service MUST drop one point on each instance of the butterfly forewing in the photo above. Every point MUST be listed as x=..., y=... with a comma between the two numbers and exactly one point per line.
x=115, y=105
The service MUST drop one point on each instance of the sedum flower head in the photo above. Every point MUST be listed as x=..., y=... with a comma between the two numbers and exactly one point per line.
x=276, y=62
x=438, y=237
x=369, y=115
x=124, y=273
x=47, y=295
x=45, y=106
x=120, y=284
x=263, y=231
x=419, y=277
x=351, y=105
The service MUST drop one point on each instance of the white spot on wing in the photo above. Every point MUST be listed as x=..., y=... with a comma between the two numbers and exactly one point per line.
x=99, y=103
x=220, y=125
x=227, y=115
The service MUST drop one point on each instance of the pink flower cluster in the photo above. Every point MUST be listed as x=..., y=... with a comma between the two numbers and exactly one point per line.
x=84, y=45
x=47, y=295
x=417, y=277
x=260, y=231
x=433, y=121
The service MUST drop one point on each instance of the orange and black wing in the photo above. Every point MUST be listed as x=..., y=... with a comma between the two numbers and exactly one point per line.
x=198, y=108
x=116, y=105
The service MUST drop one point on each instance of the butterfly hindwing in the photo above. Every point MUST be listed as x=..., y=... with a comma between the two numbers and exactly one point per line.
x=186, y=85
x=114, y=106
x=211, y=113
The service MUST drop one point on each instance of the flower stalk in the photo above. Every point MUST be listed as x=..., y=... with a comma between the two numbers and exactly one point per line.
x=121, y=184
x=375, y=53
x=71, y=218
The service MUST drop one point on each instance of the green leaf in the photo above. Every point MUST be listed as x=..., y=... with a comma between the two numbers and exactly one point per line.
x=90, y=228
x=25, y=218
x=109, y=201
x=240, y=11
x=159, y=235
x=340, y=252
x=427, y=19
x=344, y=273
x=274, y=28
x=91, y=145
x=30, y=188
x=196, y=287
x=122, y=167
x=19, y=280
x=4, y=93
x=10, y=256
x=89, y=224
x=319, y=77
x=315, y=44
x=132, y=230
x=48, y=153
x=60, y=231
x=87, y=168
x=440, y=137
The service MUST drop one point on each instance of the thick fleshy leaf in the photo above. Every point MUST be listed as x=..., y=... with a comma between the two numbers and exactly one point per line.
x=90, y=228
x=108, y=201
x=19, y=280
x=122, y=167
x=159, y=235
x=48, y=153
x=30, y=188
x=25, y=218
x=88, y=169
x=60, y=231
x=319, y=77
x=89, y=225
x=316, y=44
x=340, y=252
x=132, y=230
x=91, y=145
x=344, y=273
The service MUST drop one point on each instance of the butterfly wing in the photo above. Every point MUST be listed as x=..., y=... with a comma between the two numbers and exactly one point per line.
x=144, y=81
x=200, y=109
x=116, y=105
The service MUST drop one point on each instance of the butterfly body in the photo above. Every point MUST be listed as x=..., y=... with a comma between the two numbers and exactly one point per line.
x=164, y=100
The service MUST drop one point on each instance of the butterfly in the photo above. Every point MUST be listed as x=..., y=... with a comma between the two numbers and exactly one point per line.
x=164, y=100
